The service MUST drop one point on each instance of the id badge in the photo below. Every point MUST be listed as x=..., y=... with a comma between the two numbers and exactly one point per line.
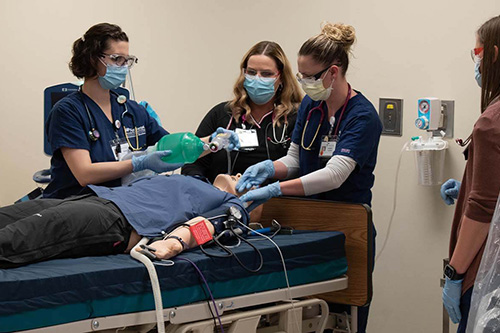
x=119, y=147
x=327, y=147
x=248, y=138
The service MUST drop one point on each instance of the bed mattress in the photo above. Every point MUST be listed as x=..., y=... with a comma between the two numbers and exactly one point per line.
x=67, y=290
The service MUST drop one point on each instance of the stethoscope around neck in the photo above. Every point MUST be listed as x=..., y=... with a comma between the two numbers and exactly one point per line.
x=94, y=133
x=283, y=140
x=322, y=110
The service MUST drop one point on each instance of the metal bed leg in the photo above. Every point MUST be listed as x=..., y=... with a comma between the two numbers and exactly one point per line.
x=354, y=319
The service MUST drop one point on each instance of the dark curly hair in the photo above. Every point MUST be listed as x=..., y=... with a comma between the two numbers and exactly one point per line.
x=92, y=45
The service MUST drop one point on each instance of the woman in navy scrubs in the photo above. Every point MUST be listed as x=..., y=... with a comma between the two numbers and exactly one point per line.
x=335, y=140
x=91, y=129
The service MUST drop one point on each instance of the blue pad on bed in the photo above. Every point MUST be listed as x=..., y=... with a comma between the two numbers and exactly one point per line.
x=67, y=290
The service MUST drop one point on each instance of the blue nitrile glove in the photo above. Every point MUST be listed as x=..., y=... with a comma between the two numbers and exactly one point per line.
x=452, y=291
x=255, y=175
x=151, y=111
x=153, y=161
x=261, y=195
x=234, y=141
x=449, y=191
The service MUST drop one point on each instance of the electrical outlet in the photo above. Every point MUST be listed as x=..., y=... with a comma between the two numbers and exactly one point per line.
x=391, y=115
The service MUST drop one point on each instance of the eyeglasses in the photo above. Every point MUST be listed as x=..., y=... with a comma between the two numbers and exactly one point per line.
x=315, y=77
x=119, y=60
x=475, y=52
x=264, y=73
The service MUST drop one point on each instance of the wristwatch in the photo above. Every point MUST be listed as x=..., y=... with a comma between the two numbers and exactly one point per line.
x=451, y=273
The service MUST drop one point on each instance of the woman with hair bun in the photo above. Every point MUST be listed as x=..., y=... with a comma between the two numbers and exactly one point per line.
x=334, y=144
x=90, y=129
x=262, y=111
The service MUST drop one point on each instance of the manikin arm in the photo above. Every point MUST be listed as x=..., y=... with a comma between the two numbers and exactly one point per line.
x=168, y=248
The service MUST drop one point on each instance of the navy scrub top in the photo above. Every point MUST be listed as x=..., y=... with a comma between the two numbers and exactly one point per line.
x=158, y=204
x=68, y=126
x=358, y=138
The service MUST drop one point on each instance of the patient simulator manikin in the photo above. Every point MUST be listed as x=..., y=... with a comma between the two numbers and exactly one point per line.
x=181, y=238
x=164, y=209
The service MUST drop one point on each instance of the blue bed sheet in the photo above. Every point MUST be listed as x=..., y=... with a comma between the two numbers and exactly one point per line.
x=66, y=290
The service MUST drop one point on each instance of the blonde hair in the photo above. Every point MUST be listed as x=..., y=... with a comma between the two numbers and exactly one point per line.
x=331, y=46
x=287, y=97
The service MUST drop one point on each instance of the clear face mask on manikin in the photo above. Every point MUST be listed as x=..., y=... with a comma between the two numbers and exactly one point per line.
x=316, y=90
x=259, y=89
x=114, y=77
x=477, y=71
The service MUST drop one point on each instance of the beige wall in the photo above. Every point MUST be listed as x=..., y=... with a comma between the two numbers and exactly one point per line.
x=189, y=54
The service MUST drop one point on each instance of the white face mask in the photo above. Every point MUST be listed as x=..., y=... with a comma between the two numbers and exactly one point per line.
x=316, y=90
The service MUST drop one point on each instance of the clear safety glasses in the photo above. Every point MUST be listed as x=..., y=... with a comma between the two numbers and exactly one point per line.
x=309, y=79
x=475, y=52
x=264, y=73
x=119, y=60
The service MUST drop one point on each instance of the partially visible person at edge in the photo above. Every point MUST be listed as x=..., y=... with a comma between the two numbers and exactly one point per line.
x=90, y=129
x=335, y=141
x=264, y=109
x=477, y=194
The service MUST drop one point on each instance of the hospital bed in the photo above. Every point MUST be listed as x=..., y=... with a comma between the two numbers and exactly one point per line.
x=113, y=292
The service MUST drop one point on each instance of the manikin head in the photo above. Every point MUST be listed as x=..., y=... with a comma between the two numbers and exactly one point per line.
x=227, y=183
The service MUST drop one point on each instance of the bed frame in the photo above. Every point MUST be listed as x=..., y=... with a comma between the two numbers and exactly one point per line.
x=354, y=220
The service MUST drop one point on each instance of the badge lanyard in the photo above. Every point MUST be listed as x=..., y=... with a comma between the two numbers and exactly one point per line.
x=329, y=141
x=119, y=146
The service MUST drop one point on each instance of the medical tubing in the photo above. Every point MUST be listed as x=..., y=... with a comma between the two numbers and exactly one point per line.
x=208, y=300
x=229, y=169
x=394, y=201
x=232, y=254
x=256, y=232
x=154, y=282
x=255, y=249
x=281, y=256
x=132, y=93
x=208, y=288
x=289, y=293
x=216, y=241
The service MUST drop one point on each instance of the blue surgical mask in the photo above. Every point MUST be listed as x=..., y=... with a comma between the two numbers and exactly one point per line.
x=260, y=89
x=114, y=77
x=477, y=73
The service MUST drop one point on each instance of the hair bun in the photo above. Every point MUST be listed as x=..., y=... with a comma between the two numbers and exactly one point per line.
x=340, y=33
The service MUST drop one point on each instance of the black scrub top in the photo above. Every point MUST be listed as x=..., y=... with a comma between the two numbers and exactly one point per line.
x=270, y=144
